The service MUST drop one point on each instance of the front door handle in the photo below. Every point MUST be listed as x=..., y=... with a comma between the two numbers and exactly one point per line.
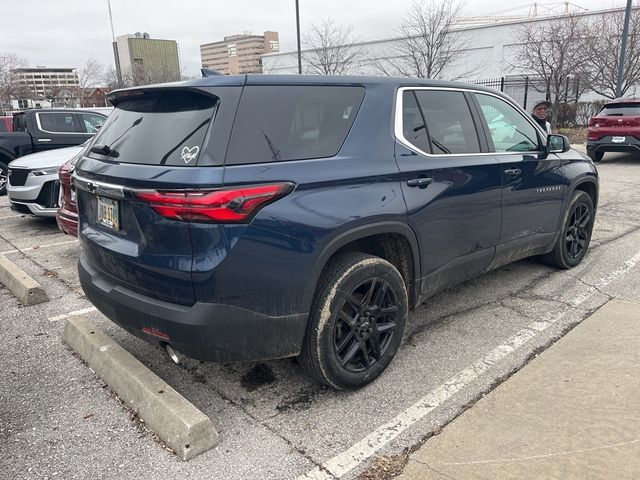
x=421, y=182
x=513, y=172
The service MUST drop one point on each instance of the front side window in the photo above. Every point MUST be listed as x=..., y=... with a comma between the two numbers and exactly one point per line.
x=278, y=123
x=449, y=122
x=57, y=122
x=509, y=130
x=91, y=122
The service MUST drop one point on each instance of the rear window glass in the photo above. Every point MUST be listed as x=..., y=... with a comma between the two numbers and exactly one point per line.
x=621, y=109
x=157, y=128
x=278, y=123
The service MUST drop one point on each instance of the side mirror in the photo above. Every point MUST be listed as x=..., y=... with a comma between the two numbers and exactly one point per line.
x=557, y=144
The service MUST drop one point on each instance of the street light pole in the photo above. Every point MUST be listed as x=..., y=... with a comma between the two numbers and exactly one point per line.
x=114, y=44
x=298, y=32
x=623, y=48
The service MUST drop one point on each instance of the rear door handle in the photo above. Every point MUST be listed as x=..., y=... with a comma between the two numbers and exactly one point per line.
x=513, y=172
x=421, y=182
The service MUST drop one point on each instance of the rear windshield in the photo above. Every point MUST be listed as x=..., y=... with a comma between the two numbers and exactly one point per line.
x=157, y=128
x=621, y=109
x=278, y=123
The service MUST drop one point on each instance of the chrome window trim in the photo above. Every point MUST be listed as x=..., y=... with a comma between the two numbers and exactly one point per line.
x=58, y=133
x=399, y=131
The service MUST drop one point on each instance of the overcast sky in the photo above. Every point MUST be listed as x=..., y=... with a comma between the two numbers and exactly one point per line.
x=65, y=33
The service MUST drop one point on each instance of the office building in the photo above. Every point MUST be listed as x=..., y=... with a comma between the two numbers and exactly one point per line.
x=143, y=60
x=239, y=54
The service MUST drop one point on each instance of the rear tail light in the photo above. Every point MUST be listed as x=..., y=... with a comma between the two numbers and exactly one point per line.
x=232, y=205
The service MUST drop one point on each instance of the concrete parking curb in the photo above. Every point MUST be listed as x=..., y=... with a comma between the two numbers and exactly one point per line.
x=23, y=287
x=173, y=418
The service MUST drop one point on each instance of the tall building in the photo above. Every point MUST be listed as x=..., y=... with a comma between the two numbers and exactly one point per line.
x=145, y=60
x=239, y=54
x=45, y=81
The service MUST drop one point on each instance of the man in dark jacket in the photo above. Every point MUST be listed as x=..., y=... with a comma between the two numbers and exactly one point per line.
x=539, y=114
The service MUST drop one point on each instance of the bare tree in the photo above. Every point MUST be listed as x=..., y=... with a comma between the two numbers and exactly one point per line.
x=329, y=49
x=9, y=86
x=603, y=53
x=147, y=75
x=555, y=52
x=90, y=75
x=427, y=44
x=110, y=79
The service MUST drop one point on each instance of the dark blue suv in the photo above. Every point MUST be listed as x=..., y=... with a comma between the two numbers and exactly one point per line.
x=259, y=217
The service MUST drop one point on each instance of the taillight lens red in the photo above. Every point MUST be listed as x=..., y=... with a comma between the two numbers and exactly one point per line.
x=233, y=205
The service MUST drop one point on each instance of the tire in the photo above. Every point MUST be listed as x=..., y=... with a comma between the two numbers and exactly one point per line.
x=3, y=178
x=595, y=156
x=577, y=226
x=357, y=295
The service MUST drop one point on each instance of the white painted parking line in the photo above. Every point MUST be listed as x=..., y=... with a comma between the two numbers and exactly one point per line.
x=351, y=458
x=72, y=314
x=38, y=247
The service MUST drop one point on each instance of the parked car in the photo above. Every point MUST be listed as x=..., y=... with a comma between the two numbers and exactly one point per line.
x=33, y=185
x=67, y=214
x=258, y=217
x=616, y=128
x=38, y=130
x=6, y=124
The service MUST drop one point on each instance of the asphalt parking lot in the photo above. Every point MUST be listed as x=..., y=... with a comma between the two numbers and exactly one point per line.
x=57, y=419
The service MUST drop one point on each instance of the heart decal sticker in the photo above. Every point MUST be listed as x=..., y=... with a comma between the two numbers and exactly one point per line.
x=189, y=154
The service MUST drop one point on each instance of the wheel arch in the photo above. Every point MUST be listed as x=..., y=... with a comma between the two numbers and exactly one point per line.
x=396, y=242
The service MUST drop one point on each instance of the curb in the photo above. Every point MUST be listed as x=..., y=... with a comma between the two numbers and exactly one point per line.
x=23, y=287
x=173, y=418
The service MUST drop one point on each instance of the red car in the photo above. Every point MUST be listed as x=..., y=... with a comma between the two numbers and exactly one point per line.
x=616, y=128
x=6, y=123
x=67, y=215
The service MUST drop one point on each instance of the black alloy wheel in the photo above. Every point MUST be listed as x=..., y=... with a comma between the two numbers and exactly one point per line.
x=357, y=321
x=365, y=325
x=577, y=233
x=575, y=236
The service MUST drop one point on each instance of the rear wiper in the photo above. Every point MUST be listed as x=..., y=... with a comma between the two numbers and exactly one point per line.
x=104, y=150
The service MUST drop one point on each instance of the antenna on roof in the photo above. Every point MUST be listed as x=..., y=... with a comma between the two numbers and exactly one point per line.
x=207, y=72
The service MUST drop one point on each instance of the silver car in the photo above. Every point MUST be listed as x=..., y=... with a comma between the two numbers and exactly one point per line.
x=33, y=186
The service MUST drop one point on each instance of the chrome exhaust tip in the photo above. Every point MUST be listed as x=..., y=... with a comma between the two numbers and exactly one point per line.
x=175, y=355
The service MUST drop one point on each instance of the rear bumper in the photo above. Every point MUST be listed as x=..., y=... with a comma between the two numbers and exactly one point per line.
x=605, y=144
x=204, y=331
x=67, y=222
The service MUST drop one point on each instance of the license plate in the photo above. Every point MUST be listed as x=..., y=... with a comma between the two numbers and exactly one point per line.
x=618, y=139
x=108, y=212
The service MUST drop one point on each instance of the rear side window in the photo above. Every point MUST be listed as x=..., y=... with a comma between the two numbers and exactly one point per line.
x=449, y=122
x=57, y=122
x=413, y=127
x=157, y=128
x=621, y=109
x=20, y=123
x=278, y=123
